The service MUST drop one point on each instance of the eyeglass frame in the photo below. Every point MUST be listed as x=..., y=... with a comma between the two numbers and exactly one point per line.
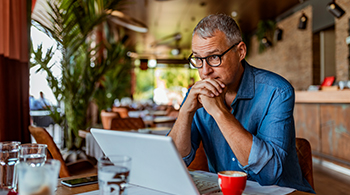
x=206, y=58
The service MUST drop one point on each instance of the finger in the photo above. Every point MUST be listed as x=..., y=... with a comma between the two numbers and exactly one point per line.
x=219, y=85
x=212, y=85
x=203, y=91
x=222, y=85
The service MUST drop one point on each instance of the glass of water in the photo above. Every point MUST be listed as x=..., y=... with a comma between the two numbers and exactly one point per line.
x=113, y=174
x=33, y=154
x=8, y=160
x=38, y=180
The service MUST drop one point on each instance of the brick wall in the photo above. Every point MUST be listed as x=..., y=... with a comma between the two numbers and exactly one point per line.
x=341, y=32
x=292, y=56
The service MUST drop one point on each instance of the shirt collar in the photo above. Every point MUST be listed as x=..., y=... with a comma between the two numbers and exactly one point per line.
x=247, y=87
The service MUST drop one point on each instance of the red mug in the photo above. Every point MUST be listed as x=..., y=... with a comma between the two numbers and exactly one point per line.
x=232, y=182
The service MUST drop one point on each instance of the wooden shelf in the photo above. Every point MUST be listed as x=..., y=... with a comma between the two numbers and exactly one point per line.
x=340, y=96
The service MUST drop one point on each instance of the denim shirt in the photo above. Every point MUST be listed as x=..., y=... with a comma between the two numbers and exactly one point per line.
x=264, y=106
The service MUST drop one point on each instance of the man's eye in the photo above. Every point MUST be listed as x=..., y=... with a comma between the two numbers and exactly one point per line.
x=197, y=59
x=214, y=57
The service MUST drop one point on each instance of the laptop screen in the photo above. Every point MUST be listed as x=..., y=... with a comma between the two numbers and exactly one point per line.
x=156, y=163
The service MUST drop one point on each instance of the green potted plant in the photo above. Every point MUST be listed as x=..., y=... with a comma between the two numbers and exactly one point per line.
x=265, y=33
x=109, y=88
x=89, y=50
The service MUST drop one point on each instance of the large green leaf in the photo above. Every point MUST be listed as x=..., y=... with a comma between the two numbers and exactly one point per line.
x=75, y=25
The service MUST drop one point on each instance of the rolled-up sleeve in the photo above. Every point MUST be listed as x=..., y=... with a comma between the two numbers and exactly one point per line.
x=273, y=140
x=195, y=140
x=189, y=158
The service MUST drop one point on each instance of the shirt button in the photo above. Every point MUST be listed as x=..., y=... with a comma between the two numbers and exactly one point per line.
x=233, y=159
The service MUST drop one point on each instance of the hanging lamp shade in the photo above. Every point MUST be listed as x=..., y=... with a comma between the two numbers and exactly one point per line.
x=335, y=9
x=302, y=21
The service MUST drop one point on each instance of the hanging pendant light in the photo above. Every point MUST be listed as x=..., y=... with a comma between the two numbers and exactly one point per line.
x=302, y=21
x=335, y=10
x=278, y=34
x=266, y=42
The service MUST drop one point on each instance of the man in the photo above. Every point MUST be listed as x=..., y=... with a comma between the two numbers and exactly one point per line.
x=33, y=103
x=44, y=103
x=243, y=115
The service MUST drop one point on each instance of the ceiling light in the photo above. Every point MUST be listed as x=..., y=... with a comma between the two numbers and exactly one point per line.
x=132, y=54
x=335, y=9
x=152, y=63
x=137, y=62
x=175, y=51
x=302, y=21
x=234, y=14
x=128, y=22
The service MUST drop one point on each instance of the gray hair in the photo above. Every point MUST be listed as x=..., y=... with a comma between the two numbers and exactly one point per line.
x=208, y=26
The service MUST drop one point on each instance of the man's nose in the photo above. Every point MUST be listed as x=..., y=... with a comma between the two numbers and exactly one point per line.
x=206, y=69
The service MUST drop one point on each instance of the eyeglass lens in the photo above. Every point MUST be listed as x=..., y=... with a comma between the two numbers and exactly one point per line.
x=213, y=60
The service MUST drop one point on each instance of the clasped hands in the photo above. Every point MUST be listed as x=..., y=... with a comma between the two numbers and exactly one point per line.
x=207, y=93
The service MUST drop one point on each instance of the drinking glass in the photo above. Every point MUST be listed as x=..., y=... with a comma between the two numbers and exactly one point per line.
x=38, y=179
x=33, y=154
x=8, y=160
x=113, y=174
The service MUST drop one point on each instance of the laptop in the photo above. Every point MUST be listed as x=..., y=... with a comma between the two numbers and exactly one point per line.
x=156, y=163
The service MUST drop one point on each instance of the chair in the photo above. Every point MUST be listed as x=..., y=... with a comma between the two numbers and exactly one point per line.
x=303, y=151
x=200, y=160
x=305, y=159
x=76, y=168
x=106, y=118
x=128, y=123
x=123, y=111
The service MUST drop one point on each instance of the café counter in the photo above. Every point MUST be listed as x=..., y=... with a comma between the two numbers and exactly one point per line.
x=323, y=118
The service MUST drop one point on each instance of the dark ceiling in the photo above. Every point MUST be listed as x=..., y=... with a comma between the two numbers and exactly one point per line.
x=167, y=18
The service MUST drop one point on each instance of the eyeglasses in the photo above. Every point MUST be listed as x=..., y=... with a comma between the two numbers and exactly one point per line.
x=212, y=60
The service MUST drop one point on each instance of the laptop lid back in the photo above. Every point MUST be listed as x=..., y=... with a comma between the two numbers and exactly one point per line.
x=156, y=163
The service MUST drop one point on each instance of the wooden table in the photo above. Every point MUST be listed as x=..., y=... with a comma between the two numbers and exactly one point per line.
x=159, y=120
x=64, y=190
x=93, y=149
x=83, y=133
x=158, y=112
x=41, y=118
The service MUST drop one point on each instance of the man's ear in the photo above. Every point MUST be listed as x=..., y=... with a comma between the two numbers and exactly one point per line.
x=242, y=50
